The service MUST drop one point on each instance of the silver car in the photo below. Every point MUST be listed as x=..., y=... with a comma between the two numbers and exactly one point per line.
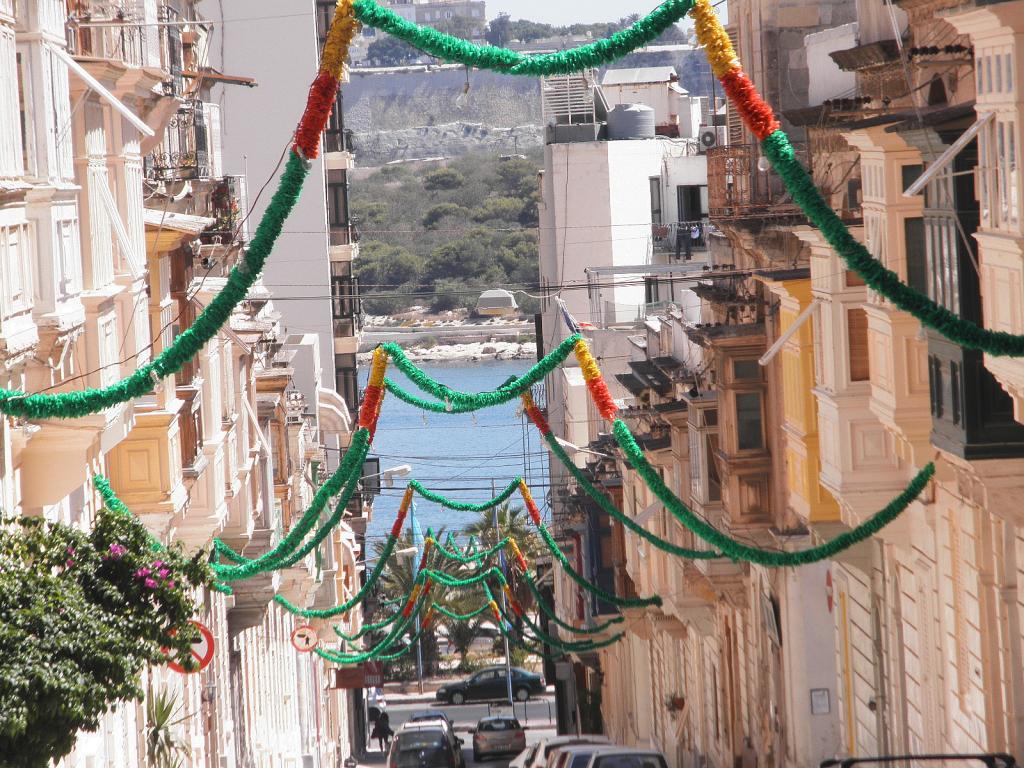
x=498, y=736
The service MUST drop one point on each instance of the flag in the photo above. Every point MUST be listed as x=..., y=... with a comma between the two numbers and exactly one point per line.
x=571, y=323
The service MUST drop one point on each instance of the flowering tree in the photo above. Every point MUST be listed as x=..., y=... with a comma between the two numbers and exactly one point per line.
x=81, y=615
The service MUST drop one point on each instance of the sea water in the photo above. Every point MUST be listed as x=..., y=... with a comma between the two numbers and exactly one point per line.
x=459, y=455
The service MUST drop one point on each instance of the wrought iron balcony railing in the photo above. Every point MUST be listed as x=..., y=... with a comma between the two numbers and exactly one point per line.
x=739, y=189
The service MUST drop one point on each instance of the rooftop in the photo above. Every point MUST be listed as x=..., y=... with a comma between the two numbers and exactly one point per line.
x=639, y=75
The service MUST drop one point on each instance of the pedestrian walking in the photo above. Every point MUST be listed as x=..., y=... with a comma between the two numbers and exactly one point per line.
x=382, y=731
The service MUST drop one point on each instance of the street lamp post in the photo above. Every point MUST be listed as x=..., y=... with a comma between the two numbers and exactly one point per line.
x=504, y=603
x=413, y=551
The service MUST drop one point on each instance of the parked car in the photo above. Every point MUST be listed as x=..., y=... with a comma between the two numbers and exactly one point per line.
x=627, y=757
x=574, y=755
x=432, y=715
x=540, y=754
x=425, y=745
x=498, y=736
x=492, y=683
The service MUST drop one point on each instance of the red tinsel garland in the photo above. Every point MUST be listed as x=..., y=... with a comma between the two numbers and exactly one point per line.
x=602, y=398
x=756, y=114
x=322, y=94
x=370, y=408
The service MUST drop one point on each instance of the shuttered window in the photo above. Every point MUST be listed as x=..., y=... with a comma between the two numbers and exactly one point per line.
x=857, y=324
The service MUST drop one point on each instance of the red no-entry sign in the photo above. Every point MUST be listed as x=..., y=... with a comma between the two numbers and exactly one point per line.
x=201, y=651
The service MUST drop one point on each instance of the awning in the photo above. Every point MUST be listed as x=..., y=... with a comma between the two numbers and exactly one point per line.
x=213, y=76
x=176, y=222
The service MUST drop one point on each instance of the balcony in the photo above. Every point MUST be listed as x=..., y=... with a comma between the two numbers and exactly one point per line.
x=681, y=241
x=135, y=35
x=191, y=145
x=737, y=189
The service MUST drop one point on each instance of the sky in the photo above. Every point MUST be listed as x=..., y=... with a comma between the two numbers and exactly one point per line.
x=569, y=11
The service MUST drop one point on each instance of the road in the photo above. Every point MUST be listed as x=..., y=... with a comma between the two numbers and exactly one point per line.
x=537, y=715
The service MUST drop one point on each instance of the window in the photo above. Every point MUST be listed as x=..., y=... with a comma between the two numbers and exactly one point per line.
x=108, y=351
x=748, y=421
x=15, y=270
x=28, y=140
x=857, y=329
x=917, y=257
x=346, y=381
x=10, y=141
x=746, y=370
x=337, y=207
x=656, y=213
x=1009, y=71
x=999, y=73
x=909, y=174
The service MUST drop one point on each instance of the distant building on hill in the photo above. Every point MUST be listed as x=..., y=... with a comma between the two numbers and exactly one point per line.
x=441, y=13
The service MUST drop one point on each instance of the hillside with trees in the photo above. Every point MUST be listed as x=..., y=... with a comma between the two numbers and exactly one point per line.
x=437, y=235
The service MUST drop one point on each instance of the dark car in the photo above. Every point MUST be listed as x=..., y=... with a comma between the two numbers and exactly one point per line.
x=492, y=683
x=425, y=745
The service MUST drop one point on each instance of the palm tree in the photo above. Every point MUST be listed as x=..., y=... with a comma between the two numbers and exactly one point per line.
x=461, y=634
x=164, y=749
x=397, y=581
x=515, y=523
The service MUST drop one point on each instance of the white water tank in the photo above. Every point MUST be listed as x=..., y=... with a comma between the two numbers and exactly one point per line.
x=631, y=121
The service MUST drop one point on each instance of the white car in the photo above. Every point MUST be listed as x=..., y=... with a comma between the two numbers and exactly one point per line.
x=627, y=757
x=537, y=756
x=574, y=755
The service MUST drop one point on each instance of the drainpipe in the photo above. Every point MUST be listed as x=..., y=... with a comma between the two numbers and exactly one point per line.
x=879, y=593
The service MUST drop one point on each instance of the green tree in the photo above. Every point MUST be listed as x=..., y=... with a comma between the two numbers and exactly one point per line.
x=461, y=26
x=443, y=179
x=442, y=211
x=499, y=31
x=389, y=51
x=505, y=209
x=83, y=615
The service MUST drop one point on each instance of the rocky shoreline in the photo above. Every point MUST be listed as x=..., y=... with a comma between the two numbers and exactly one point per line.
x=477, y=351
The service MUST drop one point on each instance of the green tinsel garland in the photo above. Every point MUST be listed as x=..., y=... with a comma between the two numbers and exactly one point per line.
x=606, y=505
x=563, y=645
x=468, y=559
x=346, y=474
x=879, y=278
x=426, y=405
x=550, y=613
x=384, y=644
x=608, y=597
x=447, y=580
x=739, y=551
x=460, y=616
x=596, y=54
x=462, y=506
x=67, y=405
x=367, y=629
x=583, y=646
x=478, y=400
x=330, y=613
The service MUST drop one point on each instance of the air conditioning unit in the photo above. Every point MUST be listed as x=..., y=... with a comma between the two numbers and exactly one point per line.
x=711, y=136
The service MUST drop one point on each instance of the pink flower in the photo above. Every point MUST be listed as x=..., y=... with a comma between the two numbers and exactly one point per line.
x=68, y=563
x=142, y=573
x=70, y=550
x=157, y=563
x=170, y=584
x=163, y=573
x=151, y=583
x=117, y=551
